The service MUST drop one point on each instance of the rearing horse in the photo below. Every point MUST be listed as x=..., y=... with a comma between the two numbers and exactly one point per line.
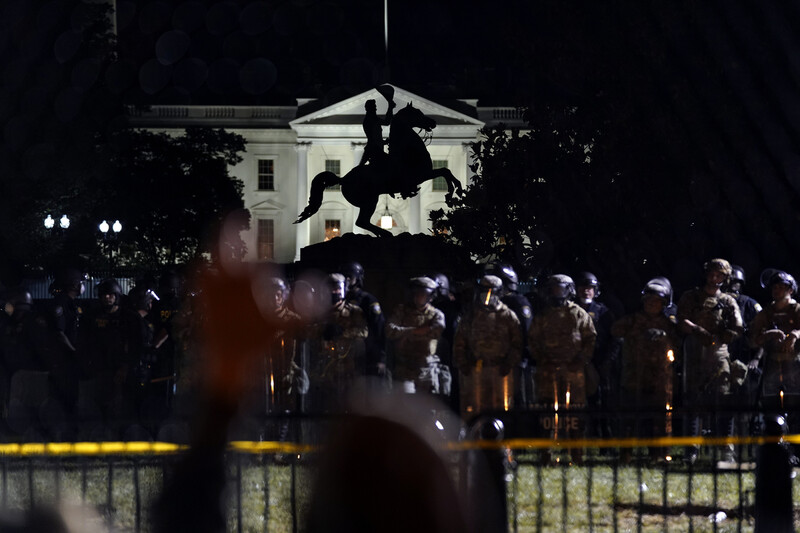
x=407, y=165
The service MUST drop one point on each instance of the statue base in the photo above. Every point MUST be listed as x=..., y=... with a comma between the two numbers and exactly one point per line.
x=390, y=262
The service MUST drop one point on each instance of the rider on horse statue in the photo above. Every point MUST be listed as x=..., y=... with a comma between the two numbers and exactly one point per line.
x=373, y=127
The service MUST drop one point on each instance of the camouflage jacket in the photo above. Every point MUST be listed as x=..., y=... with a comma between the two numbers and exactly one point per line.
x=787, y=320
x=561, y=335
x=647, y=339
x=718, y=314
x=410, y=350
x=489, y=335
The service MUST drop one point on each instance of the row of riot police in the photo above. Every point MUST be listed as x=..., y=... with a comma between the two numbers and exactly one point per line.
x=74, y=367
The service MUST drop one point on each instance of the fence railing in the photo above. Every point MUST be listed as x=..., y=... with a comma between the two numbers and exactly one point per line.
x=547, y=485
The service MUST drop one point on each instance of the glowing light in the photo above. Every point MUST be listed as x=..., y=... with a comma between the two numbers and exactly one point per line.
x=117, y=226
x=439, y=426
x=668, y=458
x=568, y=395
x=103, y=227
x=63, y=222
x=386, y=221
x=670, y=356
x=488, y=296
x=506, y=400
x=49, y=222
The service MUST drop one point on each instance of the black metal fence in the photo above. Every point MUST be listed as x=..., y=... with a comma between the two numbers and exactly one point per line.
x=551, y=483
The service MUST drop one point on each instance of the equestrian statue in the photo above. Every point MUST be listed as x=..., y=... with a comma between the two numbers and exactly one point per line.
x=401, y=171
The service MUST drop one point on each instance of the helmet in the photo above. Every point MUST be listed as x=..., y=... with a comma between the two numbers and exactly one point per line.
x=489, y=289
x=141, y=297
x=587, y=279
x=424, y=283
x=354, y=271
x=721, y=265
x=509, y=277
x=278, y=284
x=559, y=289
x=109, y=286
x=442, y=283
x=337, y=285
x=737, y=274
x=781, y=277
x=660, y=287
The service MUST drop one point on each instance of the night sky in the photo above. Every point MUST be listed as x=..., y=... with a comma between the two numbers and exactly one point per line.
x=712, y=87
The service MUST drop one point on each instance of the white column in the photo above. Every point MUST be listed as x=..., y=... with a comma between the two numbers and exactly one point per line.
x=414, y=214
x=358, y=154
x=302, y=235
x=466, y=149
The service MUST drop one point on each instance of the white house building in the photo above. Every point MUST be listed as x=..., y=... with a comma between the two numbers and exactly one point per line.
x=287, y=147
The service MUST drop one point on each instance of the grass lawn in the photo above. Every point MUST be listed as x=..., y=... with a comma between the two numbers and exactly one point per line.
x=595, y=497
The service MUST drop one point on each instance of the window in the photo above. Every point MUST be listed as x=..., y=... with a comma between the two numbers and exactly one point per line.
x=266, y=239
x=439, y=184
x=335, y=166
x=266, y=174
x=333, y=229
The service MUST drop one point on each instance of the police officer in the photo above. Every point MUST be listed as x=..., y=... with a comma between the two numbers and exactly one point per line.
x=375, y=364
x=561, y=340
x=413, y=331
x=710, y=320
x=337, y=342
x=649, y=338
x=445, y=301
x=150, y=397
x=110, y=361
x=519, y=304
x=64, y=312
x=742, y=352
x=776, y=329
x=488, y=346
x=603, y=364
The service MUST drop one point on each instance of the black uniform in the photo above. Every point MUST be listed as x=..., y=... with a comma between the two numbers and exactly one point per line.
x=604, y=361
x=375, y=342
x=63, y=320
x=524, y=395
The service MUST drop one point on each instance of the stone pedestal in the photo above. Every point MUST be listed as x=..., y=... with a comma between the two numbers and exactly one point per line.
x=389, y=262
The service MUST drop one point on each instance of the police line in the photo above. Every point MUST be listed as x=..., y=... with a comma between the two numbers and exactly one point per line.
x=52, y=449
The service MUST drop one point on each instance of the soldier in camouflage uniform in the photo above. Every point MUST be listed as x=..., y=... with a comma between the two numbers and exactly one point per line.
x=561, y=340
x=488, y=346
x=413, y=331
x=710, y=319
x=648, y=336
x=776, y=330
x=337, y=343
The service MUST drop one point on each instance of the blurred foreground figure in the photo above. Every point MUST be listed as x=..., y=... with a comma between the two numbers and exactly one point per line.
x=383, y=471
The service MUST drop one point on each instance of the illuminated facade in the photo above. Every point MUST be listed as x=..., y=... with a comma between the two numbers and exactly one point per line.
x=288, y=145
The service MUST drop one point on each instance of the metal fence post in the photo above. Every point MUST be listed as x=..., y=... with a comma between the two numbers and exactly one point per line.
x=773, y=511
x=487, y=477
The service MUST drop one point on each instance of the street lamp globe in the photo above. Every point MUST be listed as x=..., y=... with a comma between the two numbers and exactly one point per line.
x=117, y=226
x=63, y=221
x=49, y=222
x=103, y=227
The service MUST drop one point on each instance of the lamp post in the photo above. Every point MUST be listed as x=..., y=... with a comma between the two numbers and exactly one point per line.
x=50, y=223
x=110, y=235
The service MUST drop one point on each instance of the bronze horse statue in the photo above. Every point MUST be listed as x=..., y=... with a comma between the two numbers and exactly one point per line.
x=407, y=165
